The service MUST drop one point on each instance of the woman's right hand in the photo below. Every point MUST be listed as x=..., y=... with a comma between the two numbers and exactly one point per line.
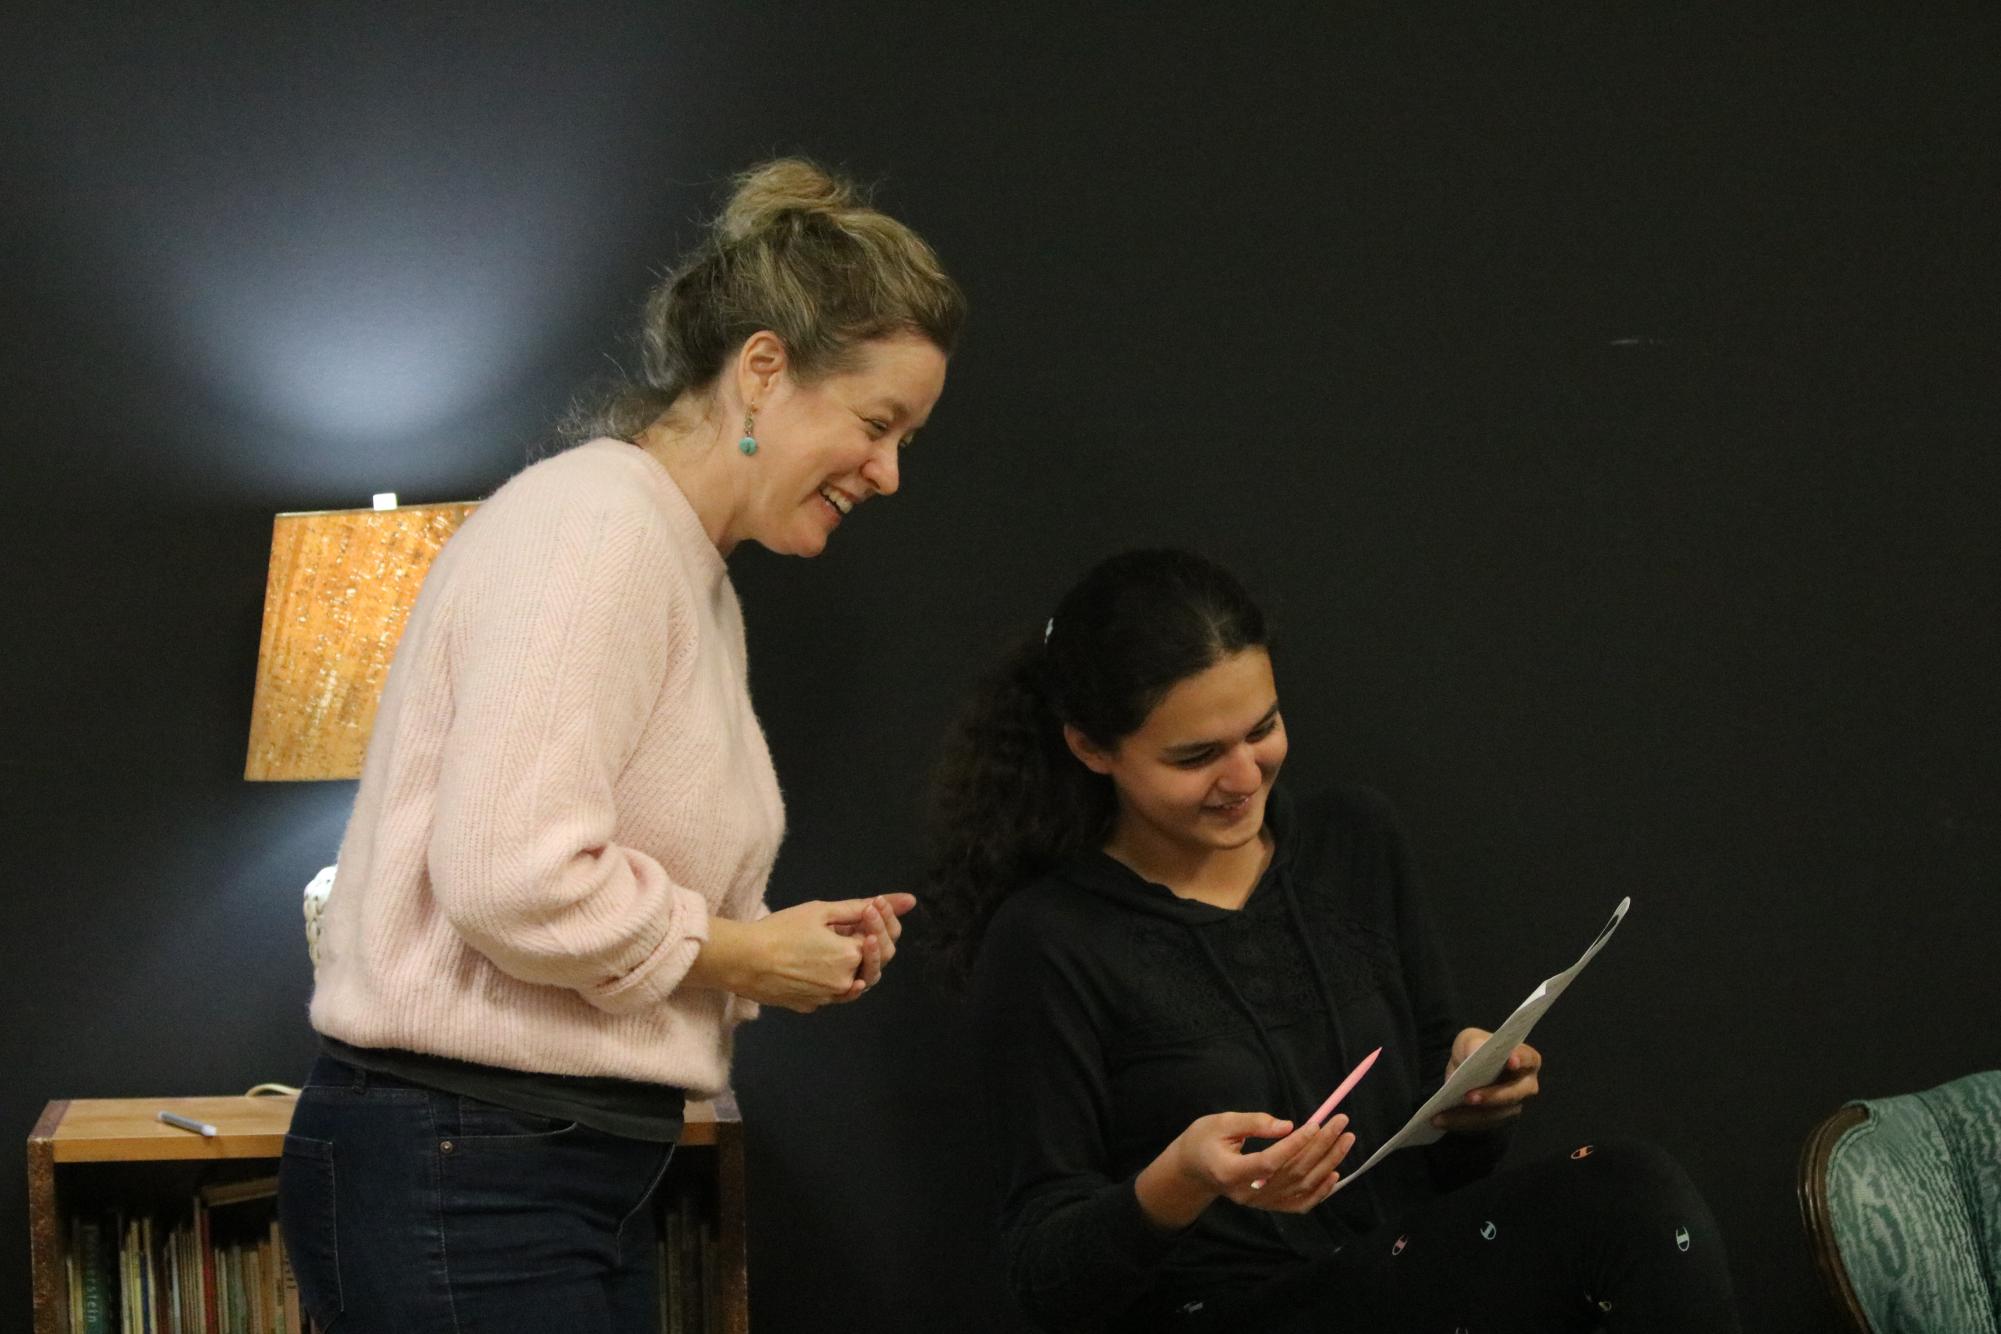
x=1207, y=1160
x=800, y=958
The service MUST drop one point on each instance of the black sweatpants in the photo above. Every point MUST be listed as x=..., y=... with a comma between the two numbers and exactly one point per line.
x=1611, y=1236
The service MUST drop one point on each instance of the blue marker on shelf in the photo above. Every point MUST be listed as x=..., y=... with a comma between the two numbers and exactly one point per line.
x=199, y=1127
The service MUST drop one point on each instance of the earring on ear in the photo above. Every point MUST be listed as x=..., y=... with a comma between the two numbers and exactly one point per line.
x=748, y=444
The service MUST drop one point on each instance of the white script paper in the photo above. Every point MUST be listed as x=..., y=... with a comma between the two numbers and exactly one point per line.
x=1488, y=1058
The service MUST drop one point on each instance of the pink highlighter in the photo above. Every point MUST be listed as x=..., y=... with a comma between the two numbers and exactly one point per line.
x=1341, y=1091
x=1334, y=1099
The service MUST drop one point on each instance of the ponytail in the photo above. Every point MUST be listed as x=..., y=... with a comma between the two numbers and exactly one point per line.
x=1009, y=803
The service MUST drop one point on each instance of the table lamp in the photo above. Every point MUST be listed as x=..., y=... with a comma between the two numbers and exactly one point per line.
x=340, y=588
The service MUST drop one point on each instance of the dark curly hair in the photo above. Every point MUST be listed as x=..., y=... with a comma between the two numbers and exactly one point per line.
x=1010, y=801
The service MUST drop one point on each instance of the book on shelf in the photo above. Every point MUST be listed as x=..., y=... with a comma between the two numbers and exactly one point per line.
x=289, y=1282
x=90, y=1302
x=711, y=1253
x=189, y=1270
x=211, y=1306
x=128, y=1278
x=212, y=1261
x=687, y=1267
x=217, y=1193
x=671, y=1287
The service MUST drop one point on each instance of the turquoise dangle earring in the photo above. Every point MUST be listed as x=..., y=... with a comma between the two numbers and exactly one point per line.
x=748, y=444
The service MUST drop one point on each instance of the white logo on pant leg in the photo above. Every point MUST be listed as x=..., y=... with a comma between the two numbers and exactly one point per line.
x=1488, y=1230
x=1681, y=1238
x=1402, y=1241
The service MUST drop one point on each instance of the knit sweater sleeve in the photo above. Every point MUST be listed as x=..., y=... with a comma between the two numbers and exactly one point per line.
x=1076, y=1248
x=565, y=614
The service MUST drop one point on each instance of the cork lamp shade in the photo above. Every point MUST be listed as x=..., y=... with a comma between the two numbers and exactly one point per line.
x=340, y=588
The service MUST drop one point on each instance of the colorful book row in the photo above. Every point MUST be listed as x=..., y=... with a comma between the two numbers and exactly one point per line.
x=206, y=1272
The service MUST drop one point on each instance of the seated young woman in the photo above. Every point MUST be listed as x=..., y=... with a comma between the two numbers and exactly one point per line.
x=1172, y=961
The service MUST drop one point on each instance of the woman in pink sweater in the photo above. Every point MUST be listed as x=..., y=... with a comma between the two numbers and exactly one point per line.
x=549, y=913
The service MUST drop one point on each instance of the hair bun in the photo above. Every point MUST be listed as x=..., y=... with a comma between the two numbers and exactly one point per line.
x=773, y=189
x=797, y=251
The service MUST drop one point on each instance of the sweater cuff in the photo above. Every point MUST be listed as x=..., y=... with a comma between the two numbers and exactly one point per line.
x=659, y=973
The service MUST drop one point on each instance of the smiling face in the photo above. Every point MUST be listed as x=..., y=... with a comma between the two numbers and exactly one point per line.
x=826, y=446
x=1195, y=776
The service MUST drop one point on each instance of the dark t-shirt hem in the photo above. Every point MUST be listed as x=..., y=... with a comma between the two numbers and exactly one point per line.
x=625, y=1107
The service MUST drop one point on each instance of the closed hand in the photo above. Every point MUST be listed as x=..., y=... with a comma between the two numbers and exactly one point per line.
x=1495, y=1104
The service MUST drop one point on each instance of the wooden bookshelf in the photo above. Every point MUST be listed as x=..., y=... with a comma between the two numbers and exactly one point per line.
x=92, y=1132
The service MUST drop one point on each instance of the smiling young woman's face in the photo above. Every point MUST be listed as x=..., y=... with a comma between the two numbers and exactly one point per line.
x=827, y=446
x=1197, y=773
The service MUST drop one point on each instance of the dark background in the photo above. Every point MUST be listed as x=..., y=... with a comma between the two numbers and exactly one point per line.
x=1601, y=396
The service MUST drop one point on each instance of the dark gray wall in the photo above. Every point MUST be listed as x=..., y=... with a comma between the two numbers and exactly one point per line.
x=1602, y=397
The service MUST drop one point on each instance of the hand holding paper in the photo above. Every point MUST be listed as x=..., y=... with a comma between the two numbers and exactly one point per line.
x=1487, y=1060
x=1497, y=1103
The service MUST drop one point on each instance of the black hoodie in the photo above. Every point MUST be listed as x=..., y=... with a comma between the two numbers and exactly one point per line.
x=1112, y=1014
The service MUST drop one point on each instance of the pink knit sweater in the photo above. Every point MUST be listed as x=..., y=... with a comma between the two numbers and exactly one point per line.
x=566, y=779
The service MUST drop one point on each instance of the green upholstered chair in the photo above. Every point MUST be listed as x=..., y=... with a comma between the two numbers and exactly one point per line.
x=1902, y=1202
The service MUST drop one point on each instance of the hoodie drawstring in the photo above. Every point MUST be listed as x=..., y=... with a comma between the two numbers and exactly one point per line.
x=1282, y=1075
x=1320, y=982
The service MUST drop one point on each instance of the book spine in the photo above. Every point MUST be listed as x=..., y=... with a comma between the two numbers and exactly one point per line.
x=96, y=1315
x=211, y=1301
x=91, y=1257
x=73, y=1275
x=677, y=1278
x=149, y=1289
x=663, y=1276
x=712, y=1308
x=691, y=1261
x=170, y=1277
x=128, y=1279
x=290, y=1283
x=239, y=1290
x=267, y=1273
x=191, y=1319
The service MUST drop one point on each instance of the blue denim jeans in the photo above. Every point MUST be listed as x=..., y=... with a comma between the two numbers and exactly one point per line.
x=407, y=1210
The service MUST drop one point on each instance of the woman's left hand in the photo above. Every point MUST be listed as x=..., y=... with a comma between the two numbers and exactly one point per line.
x=1491, y=1105
x=880, y=925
